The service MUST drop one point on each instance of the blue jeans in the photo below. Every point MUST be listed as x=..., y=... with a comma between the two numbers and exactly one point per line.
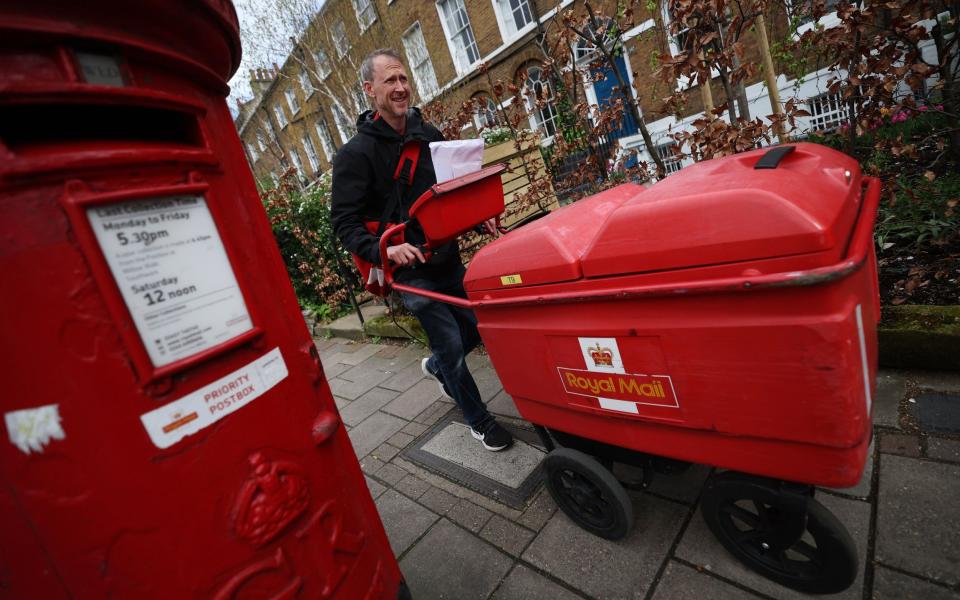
x=452, y=332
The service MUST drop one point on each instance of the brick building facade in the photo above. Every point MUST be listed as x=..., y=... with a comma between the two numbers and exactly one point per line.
x=304, y=111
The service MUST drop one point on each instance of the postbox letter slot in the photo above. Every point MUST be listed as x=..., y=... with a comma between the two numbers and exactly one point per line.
x=29, y=126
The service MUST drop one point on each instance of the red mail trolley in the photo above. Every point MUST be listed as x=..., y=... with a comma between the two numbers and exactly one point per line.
x=724, y=316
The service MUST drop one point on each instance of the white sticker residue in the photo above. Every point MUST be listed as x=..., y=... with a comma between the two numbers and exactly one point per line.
x=31, y=429
x=171, y=423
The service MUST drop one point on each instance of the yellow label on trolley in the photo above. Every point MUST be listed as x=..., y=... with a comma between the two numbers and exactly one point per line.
x=511, y=279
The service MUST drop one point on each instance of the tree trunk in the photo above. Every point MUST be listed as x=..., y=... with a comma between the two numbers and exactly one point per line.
x=625, y=92
x=770, y=76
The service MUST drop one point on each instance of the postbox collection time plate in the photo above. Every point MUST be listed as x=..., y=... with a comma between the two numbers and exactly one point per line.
x=173, y=272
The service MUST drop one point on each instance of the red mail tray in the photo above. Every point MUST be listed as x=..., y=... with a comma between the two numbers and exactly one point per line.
x=453, y=207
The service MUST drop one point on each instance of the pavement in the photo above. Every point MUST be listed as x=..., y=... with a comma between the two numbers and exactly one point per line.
x=455, y=539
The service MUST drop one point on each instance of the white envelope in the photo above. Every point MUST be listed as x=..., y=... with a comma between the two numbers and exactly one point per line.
x=455, y=158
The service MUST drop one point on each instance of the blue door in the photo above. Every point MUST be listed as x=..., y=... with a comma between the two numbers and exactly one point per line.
x=606, y=95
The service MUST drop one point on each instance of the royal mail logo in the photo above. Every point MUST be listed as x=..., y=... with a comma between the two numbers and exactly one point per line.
x=602, y=357
x=179, y=420
x=656, y=390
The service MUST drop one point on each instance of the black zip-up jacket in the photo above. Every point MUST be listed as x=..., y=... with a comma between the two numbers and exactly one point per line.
x=363, y=183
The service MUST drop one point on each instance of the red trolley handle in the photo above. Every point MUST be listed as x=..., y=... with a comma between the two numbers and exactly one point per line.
x=389, y=283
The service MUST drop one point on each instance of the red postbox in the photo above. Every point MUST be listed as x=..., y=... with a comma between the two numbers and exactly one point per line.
x=168, y=428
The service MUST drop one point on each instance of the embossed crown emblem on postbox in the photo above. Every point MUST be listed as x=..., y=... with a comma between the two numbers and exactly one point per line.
x=273, y=496
x=602, y=357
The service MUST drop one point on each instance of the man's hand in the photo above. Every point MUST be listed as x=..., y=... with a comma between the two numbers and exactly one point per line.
x=404, y=255
x=490, y=227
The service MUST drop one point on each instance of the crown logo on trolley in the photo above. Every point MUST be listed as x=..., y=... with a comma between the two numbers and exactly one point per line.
x=602, y=357
x=273, y=496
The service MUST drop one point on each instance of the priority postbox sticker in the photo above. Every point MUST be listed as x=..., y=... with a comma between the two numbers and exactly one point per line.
x=171, y=423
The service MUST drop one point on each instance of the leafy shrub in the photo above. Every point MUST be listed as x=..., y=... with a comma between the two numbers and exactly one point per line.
x=300, y=219
x=920, y=213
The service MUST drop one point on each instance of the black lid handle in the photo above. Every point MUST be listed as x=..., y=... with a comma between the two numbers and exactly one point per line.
x=771, y=159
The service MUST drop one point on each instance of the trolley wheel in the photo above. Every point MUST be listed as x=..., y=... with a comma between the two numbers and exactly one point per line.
x=753, y=519
x=588, y=493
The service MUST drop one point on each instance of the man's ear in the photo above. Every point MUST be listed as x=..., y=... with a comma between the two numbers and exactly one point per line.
x=368, y=88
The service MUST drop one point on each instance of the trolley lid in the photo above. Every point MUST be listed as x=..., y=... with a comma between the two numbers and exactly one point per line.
x=547, y=250
x=768, y=203
x=763, y=204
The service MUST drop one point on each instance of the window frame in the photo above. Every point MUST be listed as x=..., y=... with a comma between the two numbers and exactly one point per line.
x=322, y=61
x=340, y=119
x=506, y=21
x=326, y=139
x=458, y=54
x=341, y=44
x=312, y=157
x=292, y=101
x=424, y=89
x=280, y=115
x=306, y=83
x=491, y=108
x=358, y=11
x=536, y=114
x=297, y=162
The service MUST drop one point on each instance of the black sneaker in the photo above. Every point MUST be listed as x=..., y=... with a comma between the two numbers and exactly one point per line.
x=436, y=377
x=493, y=437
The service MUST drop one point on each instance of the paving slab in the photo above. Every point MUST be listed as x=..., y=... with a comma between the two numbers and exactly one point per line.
x=891, y=388
x=862, y=489
x=334, y=369
x=941, y=381
x=365, y=372
x=391, y=474
x=392, y=359
x=437, y=500
x=373, y=431
x=487, y=382
x=435, y=412
x=451, y=563
x=510, y=467
x=412, y=486
x=354, y=354
x=414, y=429
x=539, y=511
x=892, y=585
x=604, y=569
x=939, y=412
x=506, y=535
x=385, y=452
x=476, y=360
x=700, y=548
x=502, y=404
x=366, y=405
x=918, y=523
x=375, y=487
x=469, y=515
x=405, y=379
x=526, y=584
x=352, y=390
x=680, y=582
x=900, y=443
x=943, y=449
x=415, y=400
x=403, y=519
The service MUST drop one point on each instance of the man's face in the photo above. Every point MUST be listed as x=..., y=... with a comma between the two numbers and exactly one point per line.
x=389, y=89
